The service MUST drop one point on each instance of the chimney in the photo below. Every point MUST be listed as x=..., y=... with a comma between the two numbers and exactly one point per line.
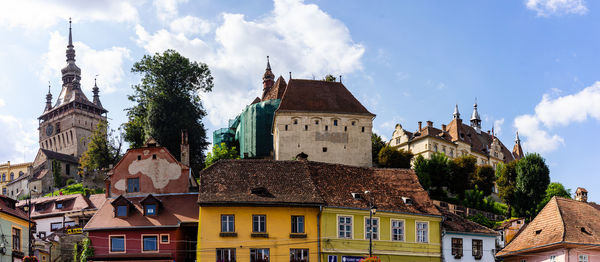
x=581, y=194
x=443, y=128
x=429, y=124
x=419, y=126
x=185, y=148
x=489, y=132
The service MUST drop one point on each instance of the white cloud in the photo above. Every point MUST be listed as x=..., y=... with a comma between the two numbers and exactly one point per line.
x=190, y=25
x=107, y=63
x=42, y=14
x=498, y=126
x=167, y=9
x=18, y=139
x=556, y=112
x=2, y=103
x=557, y=7
x=299, y=37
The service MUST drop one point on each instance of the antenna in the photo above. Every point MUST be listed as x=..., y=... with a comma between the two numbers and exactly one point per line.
x=340, y=78
x=290, y=75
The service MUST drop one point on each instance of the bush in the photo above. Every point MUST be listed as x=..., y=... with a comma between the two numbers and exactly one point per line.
x=71, y=181
x=392, y=157
x=482, y=220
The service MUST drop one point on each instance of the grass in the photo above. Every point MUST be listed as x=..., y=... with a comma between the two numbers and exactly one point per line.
x=74, y=189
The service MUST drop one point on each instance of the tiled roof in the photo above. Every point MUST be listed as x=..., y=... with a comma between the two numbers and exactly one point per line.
x=59, y=156
x=320, y=96
x=275, y=92
x=71, y=203
x=308, y=183
x=175, y=209
x=273, y=182
x=561, y=221
x=97, y=199
x=8, y=206
x=456, y=223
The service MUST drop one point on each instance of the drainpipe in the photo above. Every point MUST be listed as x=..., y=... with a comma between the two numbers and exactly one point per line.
x=319, y=234
x=442, y=239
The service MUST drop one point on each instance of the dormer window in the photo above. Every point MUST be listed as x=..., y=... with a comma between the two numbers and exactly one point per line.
x=121, y=206
x=151, y=205
x=150, y=210
x=122, y=211
x=59, y=205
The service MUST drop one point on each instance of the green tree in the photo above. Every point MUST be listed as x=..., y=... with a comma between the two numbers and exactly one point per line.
x=376, y=145
x=394, y=158
x=221, y=151
x=421, y=166
x=506, y=180
x=104, y=149
x=329, y=78
x=168, y=101
x=461, y=170
x=554, y=189
x=57, y=177
x=483, y=178
x=533, y=177
x=433, y=174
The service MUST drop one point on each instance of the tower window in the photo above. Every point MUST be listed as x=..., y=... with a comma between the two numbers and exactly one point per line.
x=363, y=129
x=295, y=121
x=305, y=127
x=345, y=128
x=286, y=127
x=139, y=157
x=353, y=122
x=316, y=122
x=153, y=156
x=335, y=122
x=324, y=149
x=326, y=128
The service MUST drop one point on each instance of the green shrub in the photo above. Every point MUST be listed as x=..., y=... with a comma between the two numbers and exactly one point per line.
x=71, y=181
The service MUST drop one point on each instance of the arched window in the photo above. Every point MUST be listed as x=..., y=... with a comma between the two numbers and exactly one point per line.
x=12, y=176
x=3, y=177
x=21, y=173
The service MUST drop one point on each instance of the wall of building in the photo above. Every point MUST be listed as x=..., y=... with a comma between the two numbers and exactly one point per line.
x=7, y=223
x=43, y=224
x=489, y=247
x=345, y=143
x=384, y=247
x=133, y=241
x=278, y=226
x=19, y=169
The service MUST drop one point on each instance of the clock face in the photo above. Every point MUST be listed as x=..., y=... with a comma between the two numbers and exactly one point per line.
x=49, y=130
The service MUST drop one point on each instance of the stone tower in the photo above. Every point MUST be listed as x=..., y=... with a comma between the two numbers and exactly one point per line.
x=66, y=127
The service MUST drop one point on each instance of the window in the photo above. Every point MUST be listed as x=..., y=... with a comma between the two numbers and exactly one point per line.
x=3, y=177
x=59, y=205
x=324, y=149
x=68, y=169
x=297, y=224
x=335, y=122
x=121, y=211
x=259, y=255
x=583, y=258
x=326, y=127
x=422, y=232
x=477, y=248
x=435, y=148
x=259, y=223
x=345, y=128
x=153, y=156
x=457, y=247
x=295, y=121
x=150, y=243
x=523, y=260
x=298, y=255
x=12, y=176
x=305, y=127
x=397, y=230
x=4, y=190
x=117, y=244
x=164, y=239
x=139, y=157
x=363, y=129
x=16, y=239
x=225, y=254
x=353, y=123
x=55, y=226
x=375, y=224
x=316, y=122
x=69, y=224
x=286, y=127
x=552, y=258
x=150, y=209
x=227, y=223
x=133, y=185
x=345, y=227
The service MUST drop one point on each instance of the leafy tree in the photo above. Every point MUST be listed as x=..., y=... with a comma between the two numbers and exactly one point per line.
x=461, y=170
x=57, y=177
x=394, y=158
x=433, y=172
x=168, y=101
x=104, y=149
x=554, y=189
x=221, y=151
x=506, y=180
x=329, y=78
x=421, y=166
x=533, y=177
x=376, y=145
x=482, y=220
x=483, y=178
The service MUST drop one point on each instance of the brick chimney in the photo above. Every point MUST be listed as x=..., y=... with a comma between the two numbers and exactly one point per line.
x=429, y=124
x=185, y=148
x=420, y=123
x=444, y=127
x=581, y=194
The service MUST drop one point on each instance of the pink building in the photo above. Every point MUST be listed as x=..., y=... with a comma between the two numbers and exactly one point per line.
x=565, y=230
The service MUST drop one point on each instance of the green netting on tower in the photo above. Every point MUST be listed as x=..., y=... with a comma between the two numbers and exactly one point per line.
x=254, y=129
x=226, y=135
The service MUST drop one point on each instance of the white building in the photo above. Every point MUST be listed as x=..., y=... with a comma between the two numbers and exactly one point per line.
x=464, y=240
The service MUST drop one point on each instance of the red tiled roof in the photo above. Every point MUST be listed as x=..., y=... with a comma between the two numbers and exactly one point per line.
x=320, y=96
x=277, y=91
x=560, y=222
x=175, y=209
x=6, y=206
x=74, y=202
x=97, y=200
x=456, y=223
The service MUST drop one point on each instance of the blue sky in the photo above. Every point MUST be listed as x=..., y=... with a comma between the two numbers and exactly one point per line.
x=532, y=65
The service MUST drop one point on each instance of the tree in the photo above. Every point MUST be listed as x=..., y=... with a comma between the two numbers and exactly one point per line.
x=533, y=177
x=421, y=166
x=461, y=170
x=56, y=176
x=376, y=145
x=168, y=101
x=506, y=180
x=483, y=178
x=433, y=174
x=554, y=189
x=103, y=149
x=329, y=78
x=221, y=151
x=394, y=158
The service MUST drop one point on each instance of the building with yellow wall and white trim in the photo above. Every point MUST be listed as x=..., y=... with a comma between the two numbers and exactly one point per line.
x=14, y=231
x=10, y=172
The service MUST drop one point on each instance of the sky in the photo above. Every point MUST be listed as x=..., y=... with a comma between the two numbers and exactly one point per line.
x=532, y=66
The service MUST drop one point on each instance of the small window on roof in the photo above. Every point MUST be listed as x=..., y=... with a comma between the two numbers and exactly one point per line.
x=150, y=210
x=537, y=232
x=122, y=211
x=59, y=205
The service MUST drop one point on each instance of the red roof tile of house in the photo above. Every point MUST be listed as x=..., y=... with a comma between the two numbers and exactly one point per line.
x=562, y=221
x=320, y=96
x=9, y=206
x=46, y=206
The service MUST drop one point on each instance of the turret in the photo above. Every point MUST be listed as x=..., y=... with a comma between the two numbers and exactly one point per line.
x=268, y=77
x=48, y=100
x=517, y=150
x=456, y=114
x=475, y=119
x=95, y=90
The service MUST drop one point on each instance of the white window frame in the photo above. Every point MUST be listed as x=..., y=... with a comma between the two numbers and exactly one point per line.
x=417, y=231
x=583, y=258
x=351, y=226
x=403, y=229
x=378, y=232
x=552, y=258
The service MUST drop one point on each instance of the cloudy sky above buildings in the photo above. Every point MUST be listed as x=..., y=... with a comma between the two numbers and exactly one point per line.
x=532, y=65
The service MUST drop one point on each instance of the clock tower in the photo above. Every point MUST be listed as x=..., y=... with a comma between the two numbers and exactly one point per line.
x=66, y=126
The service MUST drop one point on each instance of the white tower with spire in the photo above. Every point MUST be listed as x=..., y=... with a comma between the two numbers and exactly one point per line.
x=475, y=119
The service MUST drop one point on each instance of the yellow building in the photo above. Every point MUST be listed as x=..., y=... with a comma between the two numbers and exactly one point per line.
x=9, y=172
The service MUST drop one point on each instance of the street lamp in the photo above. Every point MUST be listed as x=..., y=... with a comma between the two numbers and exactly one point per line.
x=372, y=210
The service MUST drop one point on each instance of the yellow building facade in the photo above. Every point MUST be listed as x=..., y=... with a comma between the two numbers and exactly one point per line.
x=9, y=172
x=278, y=239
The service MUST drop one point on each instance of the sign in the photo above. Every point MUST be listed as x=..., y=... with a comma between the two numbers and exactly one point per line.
x=351, y=259
x=331, y=258
x=75, y=230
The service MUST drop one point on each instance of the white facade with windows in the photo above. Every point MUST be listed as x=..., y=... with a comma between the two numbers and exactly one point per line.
x=468, y=252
